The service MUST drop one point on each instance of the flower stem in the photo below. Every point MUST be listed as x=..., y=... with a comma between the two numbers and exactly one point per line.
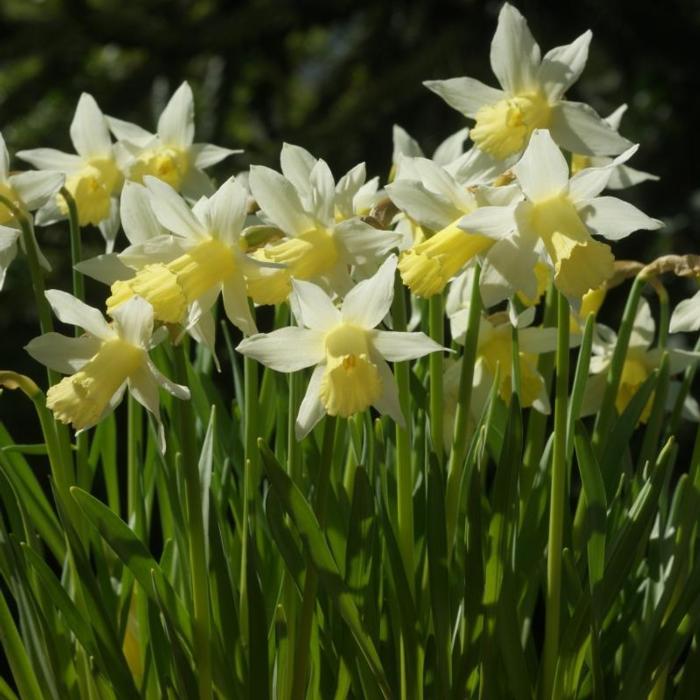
x=76, y=248
x=301, y=660
x=195, y=521
x=437, y=333
x=460, y=432
x=557, y=500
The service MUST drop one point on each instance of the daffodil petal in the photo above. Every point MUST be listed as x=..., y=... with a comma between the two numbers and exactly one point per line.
x=61, y=353
x=398, y=346
x=427, y=208
x=542, y=171
x=227, y=211
x=172, y=211
x=89, y=131
x=312, y=307
x=236, y=304
x=69, y=309
x=176, y=122
x=34, y=187
x=297, y=163
x=286, y=349
x=451, y=148
x=686, y=316
x=204, y=155
x=370, y=300
x=466, y=95
x=138, y=219
x=614, y=218
x=322, y=193
x=311, y=409
x=51, y=159
x=562, y=66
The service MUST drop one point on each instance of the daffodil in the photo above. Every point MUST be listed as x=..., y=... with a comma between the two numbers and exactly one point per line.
x=686, y=316
x=180, y=259
x=641, y=360
x=404, y=145
x=623, y=175
x=531, y=96
x=26, y=192
x=93, y=177
x=324, y=237
x=558, y=218
x=170, y=154
x=348, y=351
x=102, y=363
x=437, y=201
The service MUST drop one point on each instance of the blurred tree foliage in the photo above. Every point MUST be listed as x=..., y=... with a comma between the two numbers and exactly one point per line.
x=334, y=76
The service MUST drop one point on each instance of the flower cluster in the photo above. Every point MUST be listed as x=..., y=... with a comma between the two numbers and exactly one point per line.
x=524, y=205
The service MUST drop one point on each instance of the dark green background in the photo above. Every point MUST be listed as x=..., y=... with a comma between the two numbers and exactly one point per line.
x=333, y=77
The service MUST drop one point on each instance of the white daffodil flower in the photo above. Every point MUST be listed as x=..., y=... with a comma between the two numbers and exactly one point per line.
x=324, y=236
x=641, y=360
x=686, y=316
x=93, y=177
x=170, y=154
x=348, y=351
x=558, y=219
x=26, y=192
x=180, y=259
x=622, y=176
x=532, y=96
x=437, y=201
x=102, y=363
x=405, y=146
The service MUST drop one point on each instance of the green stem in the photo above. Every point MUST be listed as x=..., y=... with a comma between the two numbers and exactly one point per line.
x=607, y=409
x=557, y=500
x=76, y=248
x=460, y=431
x=199, y=570
x=437, y=333
x=301, y=660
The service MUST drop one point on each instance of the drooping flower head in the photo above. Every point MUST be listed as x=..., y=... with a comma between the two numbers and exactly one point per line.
x=324, y=235
x=531, y=96
x=348, y=351
x=102, y=363
x=93, y=177
x=170, y=154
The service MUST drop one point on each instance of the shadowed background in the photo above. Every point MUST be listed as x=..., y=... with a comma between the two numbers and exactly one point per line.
x=332, y=77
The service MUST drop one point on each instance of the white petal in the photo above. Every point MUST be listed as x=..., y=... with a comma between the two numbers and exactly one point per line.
x=346, y=189
x=323, y=193
x=286, y=349
x=196, y=184
x=623, y=176
x=542, y=171
x=680, y=360
x=369, y=301
x=311, y=410
x=404, y=144
x=109, y=227
x=398, y=346
x=451, y=148
x=615, y=118
x=614, y=218
x=144, y=389
x=177, y=390
x=35, y=187
x=236, y=304
x=436, y=179
x=297, y=164
x=204, y=155
x=138, y=219
x=227, y=211
x=686, y=316
x=8, y=250
x=466, y=95
x=128, y=131
x=562, y=66
x=579, y=128
x=172, y=211
x=89, y=131
x=515, y=55
x=363, y=243
x=51, y=159
x=644, y=327
x=537, y=340
x=70, y=310
x=590, y=182
x=279, y=200
x=154, y=250
x=494, y=222
x=106, y=268
x=312, y=307
x=203, y=331
x=133, y=321
x=511, y=267
x=477, y=167
x=388, y=402
x=176, y=122
x=61, y=353
x=427, y=208
x=593, y=394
